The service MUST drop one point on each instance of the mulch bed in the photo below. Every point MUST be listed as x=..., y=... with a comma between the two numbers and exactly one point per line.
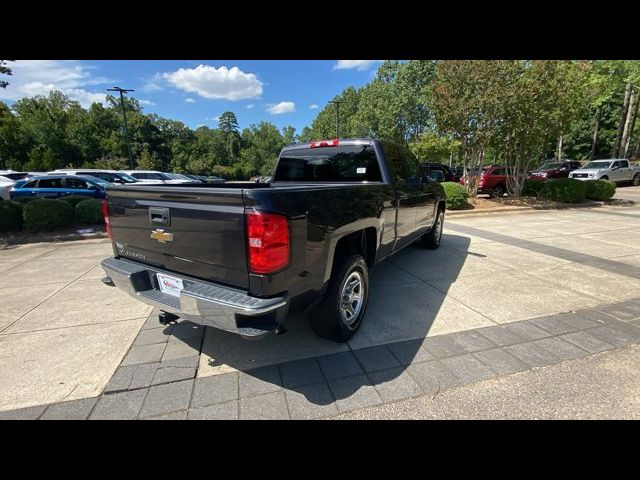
x=504, y=203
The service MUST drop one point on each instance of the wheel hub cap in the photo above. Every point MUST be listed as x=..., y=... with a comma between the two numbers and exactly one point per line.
x=351, y=298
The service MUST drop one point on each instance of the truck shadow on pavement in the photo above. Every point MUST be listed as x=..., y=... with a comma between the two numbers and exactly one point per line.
x=404, y=306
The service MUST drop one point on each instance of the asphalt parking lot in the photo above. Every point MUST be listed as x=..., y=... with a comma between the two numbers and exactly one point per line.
x=505, y=293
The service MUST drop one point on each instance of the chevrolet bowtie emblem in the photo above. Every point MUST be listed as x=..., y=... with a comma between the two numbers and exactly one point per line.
x=162, y=236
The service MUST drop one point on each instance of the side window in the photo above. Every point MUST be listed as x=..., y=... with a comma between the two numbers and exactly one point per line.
x=404, y=166
x=497, y=171
x=624, y=164
x=615, y=164
x=141, y=176
x=50, y=183
x=76, y=183
x=31, y=184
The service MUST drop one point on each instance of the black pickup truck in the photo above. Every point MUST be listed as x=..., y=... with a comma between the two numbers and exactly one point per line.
x=244, y=256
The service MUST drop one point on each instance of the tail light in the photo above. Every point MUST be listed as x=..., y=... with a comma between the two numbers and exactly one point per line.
x=267, y=242
x=105, y=214
x=325, y=143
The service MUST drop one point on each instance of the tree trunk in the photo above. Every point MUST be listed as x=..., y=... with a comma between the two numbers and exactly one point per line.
x=636, y=154
x=596, y=135
x=630, y=124
x=559, y=152
x=623, y=118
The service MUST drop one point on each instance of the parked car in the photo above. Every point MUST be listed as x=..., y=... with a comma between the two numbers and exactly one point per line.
x=153, y=177
x=110, y=176
x=55, y=186
x=448, y=174
x=179, y=176
x=5, y=187
x=244, y=256
x=617, y=170
x=196, y=178
x=554, y=169
x=13, y=176
x=8, y=179
x=493, y=180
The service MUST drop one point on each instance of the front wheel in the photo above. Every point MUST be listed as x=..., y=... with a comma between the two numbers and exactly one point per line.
x=340, y=313
x=432, y=238
x=604, y=178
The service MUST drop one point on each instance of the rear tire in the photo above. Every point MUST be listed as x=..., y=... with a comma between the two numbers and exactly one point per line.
x=341, y=311
x=432, y=238
x=497, y=192
x=636, y=180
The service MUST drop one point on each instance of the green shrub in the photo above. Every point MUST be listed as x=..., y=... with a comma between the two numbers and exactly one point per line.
x=89, y=211
x=600, y=189
x=10, y=216
x=456, y=195
x=74, y=200
x=531, y=188
x=567, y=190
x=43, y=215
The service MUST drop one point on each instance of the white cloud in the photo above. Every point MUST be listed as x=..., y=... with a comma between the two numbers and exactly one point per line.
x=39, y=77
x=189, y=100
x=250, y=106
x=148, y=103
x=355, y=64
x=153, y=84
x=313, y=106
x=282, y=107
x=216, y=83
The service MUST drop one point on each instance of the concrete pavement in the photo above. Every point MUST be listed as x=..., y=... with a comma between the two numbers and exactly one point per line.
x=602, y=386
x=63, y=335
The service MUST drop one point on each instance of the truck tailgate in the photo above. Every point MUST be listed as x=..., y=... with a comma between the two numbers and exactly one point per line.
x=206, y=230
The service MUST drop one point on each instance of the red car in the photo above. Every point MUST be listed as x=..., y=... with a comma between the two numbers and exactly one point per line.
x=554, y=170
x=493, y=181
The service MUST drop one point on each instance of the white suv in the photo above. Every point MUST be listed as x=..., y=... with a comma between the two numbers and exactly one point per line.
x=110, y=176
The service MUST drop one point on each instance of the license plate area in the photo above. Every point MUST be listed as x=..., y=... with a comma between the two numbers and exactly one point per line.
x=169, y=285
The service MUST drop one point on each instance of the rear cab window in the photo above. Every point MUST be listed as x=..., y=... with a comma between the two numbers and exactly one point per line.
x=343, y=163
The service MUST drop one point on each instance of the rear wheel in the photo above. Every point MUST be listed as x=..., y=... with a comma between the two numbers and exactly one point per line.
x=497, y=192
x=636, y=180
x=340, y=313
x=432, y=238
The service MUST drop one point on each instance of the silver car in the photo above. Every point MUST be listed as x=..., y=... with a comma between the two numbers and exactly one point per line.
x=617, y=170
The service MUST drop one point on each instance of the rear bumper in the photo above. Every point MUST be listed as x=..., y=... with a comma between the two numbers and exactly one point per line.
x=200, y=302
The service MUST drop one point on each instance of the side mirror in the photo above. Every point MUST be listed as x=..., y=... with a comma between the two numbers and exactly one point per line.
x=615, y=167
x=437, y=176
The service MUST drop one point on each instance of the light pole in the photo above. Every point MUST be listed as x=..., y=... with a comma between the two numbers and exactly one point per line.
x=337, y=102
x=124, y=118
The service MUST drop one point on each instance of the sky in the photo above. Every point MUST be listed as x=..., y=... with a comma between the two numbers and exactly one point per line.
x=196, y=92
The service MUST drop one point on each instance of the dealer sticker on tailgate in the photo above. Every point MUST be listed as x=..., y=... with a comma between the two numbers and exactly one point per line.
x=170, y=285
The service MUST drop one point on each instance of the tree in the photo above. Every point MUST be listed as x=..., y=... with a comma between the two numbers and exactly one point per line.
x=289, y=135
x=5, y=70
x=431, y=147
x=466, y=98
x=538, y=106
x=145, y=161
